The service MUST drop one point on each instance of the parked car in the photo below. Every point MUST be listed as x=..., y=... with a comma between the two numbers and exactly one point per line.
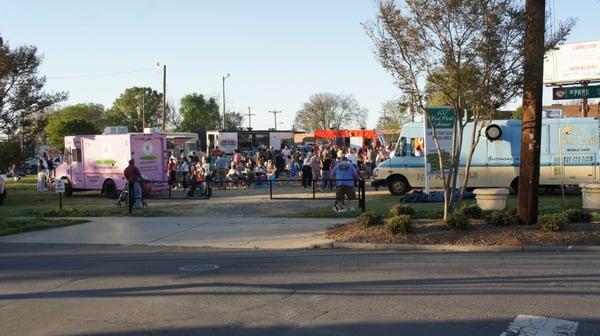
x=2, y=188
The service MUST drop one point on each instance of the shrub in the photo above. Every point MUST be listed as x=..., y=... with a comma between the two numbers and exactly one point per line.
x=400, y=209
x=401, y=224
x=551, y=223
x=578, y=216
x=505, y=217
x=472, y=211
x=369, y=218
x=457, y=222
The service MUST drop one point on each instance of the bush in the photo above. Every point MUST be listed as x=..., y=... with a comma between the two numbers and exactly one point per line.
x=578, y=216
x=505, y=217
x=400, y=209
x=551, y=223
x=369, y=218
x=401, y=224
x=472, y=211
x=457, y=222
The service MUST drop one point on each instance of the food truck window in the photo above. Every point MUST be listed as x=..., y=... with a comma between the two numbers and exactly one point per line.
x=67, y=155
x=75, y=155
x=417, y=146
x=262, y=139
x=245, y=141
x=401, y=150
x=211, y=141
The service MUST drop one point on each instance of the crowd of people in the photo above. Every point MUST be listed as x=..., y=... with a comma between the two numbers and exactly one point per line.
x=246, y=169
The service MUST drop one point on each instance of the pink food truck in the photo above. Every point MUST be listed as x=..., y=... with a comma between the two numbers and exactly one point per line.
x=97, y=162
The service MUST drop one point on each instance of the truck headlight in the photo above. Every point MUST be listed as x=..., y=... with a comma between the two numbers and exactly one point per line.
x=375, y=172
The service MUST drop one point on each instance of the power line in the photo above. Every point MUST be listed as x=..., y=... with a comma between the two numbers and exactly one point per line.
x=103, y=74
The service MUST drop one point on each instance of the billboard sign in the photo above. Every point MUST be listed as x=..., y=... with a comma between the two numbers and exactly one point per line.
x=572, y=63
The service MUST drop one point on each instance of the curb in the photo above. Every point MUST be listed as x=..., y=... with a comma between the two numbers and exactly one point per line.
x=455, y=248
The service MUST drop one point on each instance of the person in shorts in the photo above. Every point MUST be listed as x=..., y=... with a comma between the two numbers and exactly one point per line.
x=344, y=173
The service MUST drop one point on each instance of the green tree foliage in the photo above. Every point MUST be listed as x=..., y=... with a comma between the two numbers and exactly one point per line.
x=468, y=52
x=233, y=120
x=518, y=113
x=198, y=113
x=325, y=110
x=13, y=150
x=127, y=109
x=21, y=88
x=58, y=131
x=395, y=113
x=74, y=120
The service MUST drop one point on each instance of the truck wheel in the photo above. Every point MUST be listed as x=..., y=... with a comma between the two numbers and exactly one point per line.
x=515, y=185
x=28, y=171
x=110, y=189
x=68, y=189
x=398, y=185
x=3, y=196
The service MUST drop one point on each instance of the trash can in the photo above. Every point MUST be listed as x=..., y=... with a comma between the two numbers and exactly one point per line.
x=590, y=193
x=491, y=198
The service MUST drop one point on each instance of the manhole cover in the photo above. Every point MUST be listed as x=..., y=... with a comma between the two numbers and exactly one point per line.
x=198, y=268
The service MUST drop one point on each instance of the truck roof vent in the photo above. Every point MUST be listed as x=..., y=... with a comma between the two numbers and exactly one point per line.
x=115, y=130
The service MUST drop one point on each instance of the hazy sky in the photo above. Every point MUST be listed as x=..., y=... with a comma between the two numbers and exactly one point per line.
x=277, y=52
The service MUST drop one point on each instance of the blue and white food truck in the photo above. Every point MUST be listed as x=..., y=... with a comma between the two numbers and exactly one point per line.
x=569, y=155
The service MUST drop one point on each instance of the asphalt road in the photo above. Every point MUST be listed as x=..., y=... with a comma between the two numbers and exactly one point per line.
x=135, y=290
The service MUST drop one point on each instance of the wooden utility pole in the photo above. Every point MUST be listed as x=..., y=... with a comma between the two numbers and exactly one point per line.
x=529, y=173
x=250, y=114
x=275, y=115
x=164, y=107
x=143, y=109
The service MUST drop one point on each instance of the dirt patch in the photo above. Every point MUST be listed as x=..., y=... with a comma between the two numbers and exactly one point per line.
x=481, y=234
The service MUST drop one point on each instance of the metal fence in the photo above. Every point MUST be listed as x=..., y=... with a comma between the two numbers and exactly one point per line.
x=165, y=190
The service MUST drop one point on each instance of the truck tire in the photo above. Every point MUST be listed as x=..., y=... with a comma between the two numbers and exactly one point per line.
x=398, y=185
x=2, y=197
x=68, y=189
x=110, y=189
x=515, y=185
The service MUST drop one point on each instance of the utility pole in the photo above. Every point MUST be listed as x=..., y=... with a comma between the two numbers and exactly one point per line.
x=223, y=122
x=143, y=109
x=250, y=118
x=529, y=173
x=275, y=116
x=164, y=110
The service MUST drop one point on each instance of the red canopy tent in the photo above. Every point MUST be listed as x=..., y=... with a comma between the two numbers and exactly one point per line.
x=332, y=135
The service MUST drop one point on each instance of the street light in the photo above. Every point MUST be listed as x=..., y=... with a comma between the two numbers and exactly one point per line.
x=224, y=78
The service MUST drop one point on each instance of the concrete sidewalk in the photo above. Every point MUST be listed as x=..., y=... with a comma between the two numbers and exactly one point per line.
x=237, y=232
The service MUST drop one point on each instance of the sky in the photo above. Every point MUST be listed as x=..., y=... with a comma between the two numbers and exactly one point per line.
x=278, y=53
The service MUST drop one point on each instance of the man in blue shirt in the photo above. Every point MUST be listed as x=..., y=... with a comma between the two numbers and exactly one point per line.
x=344, y=175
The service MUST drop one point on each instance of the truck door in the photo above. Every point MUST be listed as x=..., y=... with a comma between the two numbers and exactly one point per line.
x=76, y=167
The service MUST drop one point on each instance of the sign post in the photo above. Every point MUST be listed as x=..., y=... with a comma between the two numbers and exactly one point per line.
x=576, y=92
x=442, y=120
x=59, y=186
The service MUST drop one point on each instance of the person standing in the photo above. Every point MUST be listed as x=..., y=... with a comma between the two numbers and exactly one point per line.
x=344, y=175
x=221, y=165
x=326, y=174
x=307, y=170
x=134, y=177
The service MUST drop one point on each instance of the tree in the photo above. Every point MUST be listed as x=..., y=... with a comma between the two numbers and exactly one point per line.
x=57, y=131
x=21, y=88
x=233, y=120
x=518, y=113
x=395, y=113
x=74, y=120
x=127, y=109
x=468, y=52
x=326, y=110
x=198, y=113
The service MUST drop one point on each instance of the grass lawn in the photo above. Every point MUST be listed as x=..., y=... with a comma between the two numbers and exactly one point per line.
x=17, y=225
x=25, y=201
x=548, y=204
